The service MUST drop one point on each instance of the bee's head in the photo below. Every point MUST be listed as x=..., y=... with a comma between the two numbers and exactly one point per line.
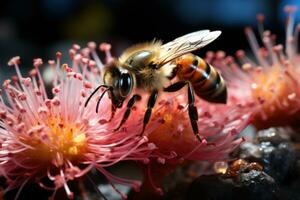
x=120, y=80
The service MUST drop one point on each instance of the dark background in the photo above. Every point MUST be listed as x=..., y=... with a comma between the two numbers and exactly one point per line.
x=39, y=28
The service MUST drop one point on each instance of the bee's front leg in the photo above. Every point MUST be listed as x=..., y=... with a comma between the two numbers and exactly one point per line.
x=130, y=104
x=112, y=112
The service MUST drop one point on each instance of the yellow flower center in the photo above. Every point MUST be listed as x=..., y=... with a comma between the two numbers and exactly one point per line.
x=57, y=140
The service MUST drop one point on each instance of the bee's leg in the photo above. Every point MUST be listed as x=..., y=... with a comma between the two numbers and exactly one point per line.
x=113, y=106
x=176, y=86
x=130, y=103
x=113, y=112
x=193, y=113
x=151, y=102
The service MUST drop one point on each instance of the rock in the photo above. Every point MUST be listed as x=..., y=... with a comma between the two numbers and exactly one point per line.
x=257, y=185
x=273, y=135
x=252, y=185
x=209, y=187
x=279, y=162
x=273, y=149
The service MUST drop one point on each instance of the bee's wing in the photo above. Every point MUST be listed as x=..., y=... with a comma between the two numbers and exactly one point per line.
x=185, y=44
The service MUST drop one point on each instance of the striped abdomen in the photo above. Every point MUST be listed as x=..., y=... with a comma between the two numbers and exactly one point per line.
x=206, y=81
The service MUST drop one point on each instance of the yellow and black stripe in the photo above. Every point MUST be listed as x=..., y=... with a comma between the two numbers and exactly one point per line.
x=206, y=81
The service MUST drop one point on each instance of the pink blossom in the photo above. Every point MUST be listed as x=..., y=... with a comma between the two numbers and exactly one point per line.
x=171, y=132
x=56, y=136
x=270, y=85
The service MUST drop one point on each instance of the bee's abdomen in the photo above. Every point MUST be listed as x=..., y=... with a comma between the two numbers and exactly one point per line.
x=206, y=81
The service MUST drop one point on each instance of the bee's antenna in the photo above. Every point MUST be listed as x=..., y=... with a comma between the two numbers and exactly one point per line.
x=98, y=103
x=94, y=92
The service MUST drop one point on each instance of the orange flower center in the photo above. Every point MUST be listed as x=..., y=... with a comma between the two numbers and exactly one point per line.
x=57, y=140
x=270, y=85
x=274, y=89
x=174, y=134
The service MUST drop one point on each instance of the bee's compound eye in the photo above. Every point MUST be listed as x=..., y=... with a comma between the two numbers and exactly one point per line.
x=125, y=84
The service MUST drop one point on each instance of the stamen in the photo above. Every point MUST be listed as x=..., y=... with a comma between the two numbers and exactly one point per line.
x=37, y=63
x=260, y=18
x=289, y=30
x=106, y=48
x=67, y=189
x=92, y=47
x=157, y=189
x=15, y=61
x=57, y=69
x=21, y=188
x=254, y=45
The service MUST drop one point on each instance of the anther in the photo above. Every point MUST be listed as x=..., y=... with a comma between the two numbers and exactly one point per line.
x=15, y=78
x=260, y=17
x=84, y=60
x=72, y=53
x=105, y=47
x=220, y=55
x=92, y=45
x=77, y=58
x=76, y=47
x=33, y=73
x=161, y=160
x=87, y=85
x=55, y=102
x=58, y=55
x=26, y=81
x=247, y=67
x=22, y=97
x=55, y=90
x=290, y=9
x=51, y=63
x=37, y=62
x=92, y=64
x=42, y=110
x=151, y=146
x=85, y=52
x=240, y=53
x=14, y=61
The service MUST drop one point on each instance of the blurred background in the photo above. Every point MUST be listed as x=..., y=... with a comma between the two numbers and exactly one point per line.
x=39, y=28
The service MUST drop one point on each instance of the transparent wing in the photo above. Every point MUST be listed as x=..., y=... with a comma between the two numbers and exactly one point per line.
x=186, y=44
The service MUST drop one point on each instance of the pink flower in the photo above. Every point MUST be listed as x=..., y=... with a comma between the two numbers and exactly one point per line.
x=171, y=132
x=55, y=136
x=271, y=86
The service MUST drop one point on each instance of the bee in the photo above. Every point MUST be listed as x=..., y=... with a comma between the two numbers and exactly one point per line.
x=150, y=67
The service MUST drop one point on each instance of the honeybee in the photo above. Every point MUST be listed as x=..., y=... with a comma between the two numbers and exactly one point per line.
x=149, y=67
